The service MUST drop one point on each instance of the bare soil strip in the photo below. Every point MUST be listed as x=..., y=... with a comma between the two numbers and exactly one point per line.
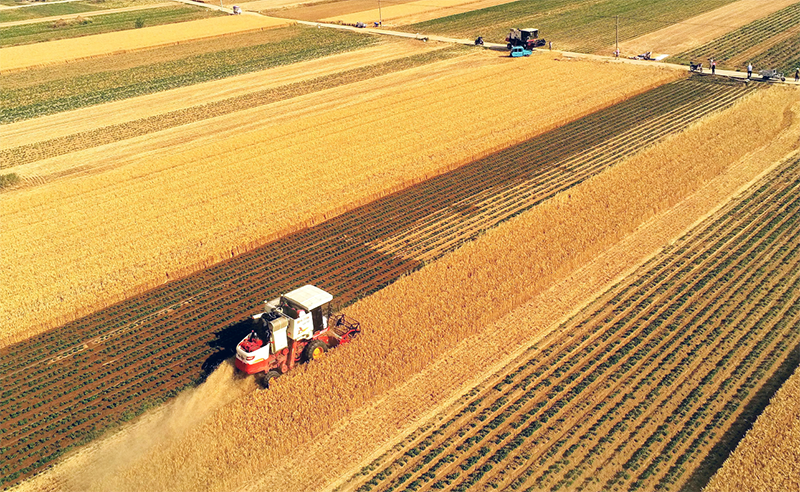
x=699, y=30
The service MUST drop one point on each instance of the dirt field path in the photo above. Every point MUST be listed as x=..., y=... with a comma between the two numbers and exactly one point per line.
x=699, y=30
x=85, y=14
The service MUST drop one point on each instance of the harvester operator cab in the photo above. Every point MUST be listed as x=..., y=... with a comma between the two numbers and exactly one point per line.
x=309, y=307
x=528, y=34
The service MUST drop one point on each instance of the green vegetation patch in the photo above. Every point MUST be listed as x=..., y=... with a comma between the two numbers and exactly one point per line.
x=98, y=24
x=577, y=25
x=8, y=180
x=294, y=44
x=771, y=42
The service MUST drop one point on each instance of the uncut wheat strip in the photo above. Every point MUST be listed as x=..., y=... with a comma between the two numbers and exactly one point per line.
x=522, y=196
x=64, y=50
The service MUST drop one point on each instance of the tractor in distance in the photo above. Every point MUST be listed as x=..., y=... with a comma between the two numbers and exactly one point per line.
x=527, y=38
x=296, y=327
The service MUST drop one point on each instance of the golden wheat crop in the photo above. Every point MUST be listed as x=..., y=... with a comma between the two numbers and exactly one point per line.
x=768, y=458
x=26, y=56
x=158, y=206
x=416, y=320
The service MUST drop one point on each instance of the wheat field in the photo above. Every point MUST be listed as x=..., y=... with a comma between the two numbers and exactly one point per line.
x=170, y=204
x=454, y=298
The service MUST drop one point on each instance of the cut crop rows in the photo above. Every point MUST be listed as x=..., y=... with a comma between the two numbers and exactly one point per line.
x=771, y=42
x=647, y=389
x=64, y=388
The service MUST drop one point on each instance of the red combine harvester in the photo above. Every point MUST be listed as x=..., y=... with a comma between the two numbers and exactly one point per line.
x=296, y=327
x=527, y=38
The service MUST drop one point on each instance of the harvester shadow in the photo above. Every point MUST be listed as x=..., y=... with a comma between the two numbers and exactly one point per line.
x=225, y=341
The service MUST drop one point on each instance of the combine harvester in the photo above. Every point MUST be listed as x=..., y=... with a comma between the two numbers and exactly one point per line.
x=528, y=39
x=296, y=327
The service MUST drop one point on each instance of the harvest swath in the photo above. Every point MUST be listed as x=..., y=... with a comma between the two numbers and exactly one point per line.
x=648, y=388
x=113, y=364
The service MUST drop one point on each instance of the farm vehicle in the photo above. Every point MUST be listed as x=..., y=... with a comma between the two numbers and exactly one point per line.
x=518, y=51
x=526, y=38
x=772, y=74
x=296, y=327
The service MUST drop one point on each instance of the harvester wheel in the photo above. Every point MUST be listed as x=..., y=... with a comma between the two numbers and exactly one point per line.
x=266, y=380
x=316, y=349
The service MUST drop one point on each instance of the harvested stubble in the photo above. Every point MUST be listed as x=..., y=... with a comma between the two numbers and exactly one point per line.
x=768, y=458
x=22, y=57
x=415, y=320
x=155, y=206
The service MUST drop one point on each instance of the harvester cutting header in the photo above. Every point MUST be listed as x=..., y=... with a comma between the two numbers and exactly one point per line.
x=296, y=327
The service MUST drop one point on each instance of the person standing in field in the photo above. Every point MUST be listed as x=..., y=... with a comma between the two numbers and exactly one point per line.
x=551, y=46
x=797, y=75
x=713, y=66
x=749, y=69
